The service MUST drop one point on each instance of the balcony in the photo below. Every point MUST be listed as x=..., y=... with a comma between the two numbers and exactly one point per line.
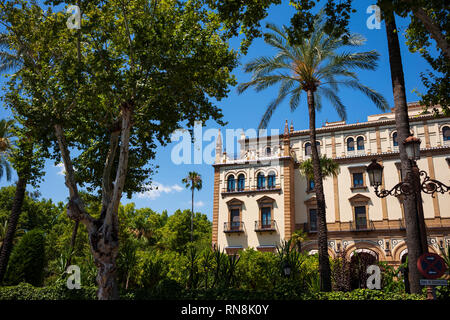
x=368, y=226
x=262, y=226
x=233, y=227
x=275, y=188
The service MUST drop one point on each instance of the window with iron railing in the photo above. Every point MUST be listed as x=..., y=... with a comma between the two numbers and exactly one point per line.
x=233, y=226
x=265, y=225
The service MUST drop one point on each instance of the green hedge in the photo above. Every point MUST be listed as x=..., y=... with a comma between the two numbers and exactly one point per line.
x=26, y=291
x=365, y=294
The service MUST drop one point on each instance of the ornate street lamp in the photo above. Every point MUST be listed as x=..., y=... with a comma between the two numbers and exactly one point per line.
x=427, y=185
x=286, y=269
x=412, y=146
x=375, y=171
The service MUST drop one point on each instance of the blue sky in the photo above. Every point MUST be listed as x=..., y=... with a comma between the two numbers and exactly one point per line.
x=244, y=111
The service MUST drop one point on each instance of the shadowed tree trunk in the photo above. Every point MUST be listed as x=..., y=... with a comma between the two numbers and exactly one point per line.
x=103, y=232
x=322, y=236
x=413, y=236
x=12, y=225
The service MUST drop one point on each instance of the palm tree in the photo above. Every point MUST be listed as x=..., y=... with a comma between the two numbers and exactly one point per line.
x=416, y=237
x=10, y=60
x=193, y=181
x=5, y=147
x=328, y=166
x=315, y=67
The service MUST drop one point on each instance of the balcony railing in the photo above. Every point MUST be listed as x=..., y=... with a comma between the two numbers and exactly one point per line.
x=368, y=226
x=270, y=225
x=233, y=227
x=276, y=187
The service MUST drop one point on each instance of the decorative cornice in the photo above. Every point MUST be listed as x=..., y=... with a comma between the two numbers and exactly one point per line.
x=352, y=126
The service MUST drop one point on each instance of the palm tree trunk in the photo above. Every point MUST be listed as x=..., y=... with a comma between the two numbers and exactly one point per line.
x=192, y=216
x=324, y=262
x=414, y=238
x=12, y=225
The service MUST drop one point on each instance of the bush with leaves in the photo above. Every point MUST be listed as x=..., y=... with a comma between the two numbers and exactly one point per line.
x=340, y=272
x=27, y=260
x=258, y=270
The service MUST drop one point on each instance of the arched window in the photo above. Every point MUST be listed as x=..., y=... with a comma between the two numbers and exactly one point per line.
x=360, y=143
x=231, y=183
x=394, y=139
x=446, y=133
x=271, y=180
x=350, y=144
x=268, y=151
x=307, y=149
x=261, y=180
x=241, y=182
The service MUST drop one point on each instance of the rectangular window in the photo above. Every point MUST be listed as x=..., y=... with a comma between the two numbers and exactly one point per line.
x=358, y=179
x=360, y=217
x=312, y=220
x=266, y=217
x=235, y=219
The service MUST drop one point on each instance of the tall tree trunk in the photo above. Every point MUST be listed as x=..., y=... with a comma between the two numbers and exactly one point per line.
x=413, y=236
x=192, y=216
x=103, y=232
x=324, y=262
x=12, y=225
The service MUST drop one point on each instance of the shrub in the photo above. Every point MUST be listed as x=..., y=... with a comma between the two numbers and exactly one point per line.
x=171, y=290
x=364, y=294
x=27, y=260
x=25, y=291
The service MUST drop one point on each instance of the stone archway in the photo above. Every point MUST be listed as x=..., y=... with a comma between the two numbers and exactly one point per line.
x=365, y=245
x=313, y=248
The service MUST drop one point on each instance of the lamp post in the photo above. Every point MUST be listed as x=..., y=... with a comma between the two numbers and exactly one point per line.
x=413, y=186
x=286, y=269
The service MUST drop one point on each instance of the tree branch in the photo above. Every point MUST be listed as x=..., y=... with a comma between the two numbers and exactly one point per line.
x=107, y=186
x=434, y=30
x=75, y=207
x=111, y=214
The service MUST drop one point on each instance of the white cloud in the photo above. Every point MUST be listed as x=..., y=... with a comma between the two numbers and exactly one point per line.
x=158, y=189
x=62, y=170
x=199, y=204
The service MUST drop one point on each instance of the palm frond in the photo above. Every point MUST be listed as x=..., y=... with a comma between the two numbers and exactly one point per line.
x=335, y=101
x=373, y=95
x=285, y=89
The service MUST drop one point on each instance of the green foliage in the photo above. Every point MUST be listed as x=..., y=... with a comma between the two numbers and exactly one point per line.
x=173, y=84
x=177, y=230
x=171, y=290
x=328, y=166
x=365, y=294
x=258, y=270
x=25, y=291
x=340, y=272
x=27, y=260
x=392, y=278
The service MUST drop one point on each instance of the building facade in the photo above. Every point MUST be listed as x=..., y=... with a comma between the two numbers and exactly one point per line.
x=261, y=198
